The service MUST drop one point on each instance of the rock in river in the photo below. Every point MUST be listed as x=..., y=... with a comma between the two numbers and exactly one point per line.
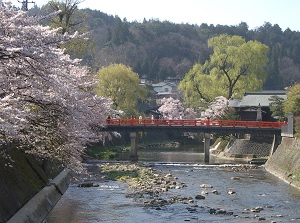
x=199, y=197
x=206, y=186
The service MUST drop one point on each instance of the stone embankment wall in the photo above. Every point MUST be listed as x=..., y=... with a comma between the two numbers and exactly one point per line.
x=21, y=178
x=251, y=147
x=37, y=209
x=285, y=162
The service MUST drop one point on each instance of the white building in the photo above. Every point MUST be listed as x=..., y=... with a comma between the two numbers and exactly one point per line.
x=165, y=90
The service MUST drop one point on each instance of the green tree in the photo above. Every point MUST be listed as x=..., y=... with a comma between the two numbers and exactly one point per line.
x=195, y=86
x=69, y=15
x=276, y=107
x=122, y=85
x=235, y=66
x=292, y=104
x=229, y=114
x=83, y=49
x=120, y=34
x=71, y=20
x=241, y=63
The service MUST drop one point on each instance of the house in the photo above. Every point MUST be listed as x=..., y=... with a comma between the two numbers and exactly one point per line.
x=165, y=89
x=144, y=80
x=255, y=105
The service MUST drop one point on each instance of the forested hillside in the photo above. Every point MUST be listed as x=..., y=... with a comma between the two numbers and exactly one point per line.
x=160, y=49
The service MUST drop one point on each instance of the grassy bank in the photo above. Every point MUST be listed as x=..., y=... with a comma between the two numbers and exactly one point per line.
x=116, y=152
x=107, y=152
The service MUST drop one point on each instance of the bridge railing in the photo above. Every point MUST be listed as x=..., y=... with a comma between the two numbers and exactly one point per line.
x=194, y=122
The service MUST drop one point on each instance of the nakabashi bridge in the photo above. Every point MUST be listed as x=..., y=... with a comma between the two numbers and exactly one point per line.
x=206, y=126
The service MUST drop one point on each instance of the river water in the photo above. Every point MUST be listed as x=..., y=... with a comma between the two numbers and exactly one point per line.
x=257, y=195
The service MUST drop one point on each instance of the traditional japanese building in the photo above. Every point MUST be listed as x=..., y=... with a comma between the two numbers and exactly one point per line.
x=256, y=105
x=165, y=89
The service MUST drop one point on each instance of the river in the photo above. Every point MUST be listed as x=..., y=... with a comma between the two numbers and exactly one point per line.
x=243, y=194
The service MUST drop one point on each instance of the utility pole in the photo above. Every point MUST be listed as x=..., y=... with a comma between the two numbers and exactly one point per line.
x=25, y=4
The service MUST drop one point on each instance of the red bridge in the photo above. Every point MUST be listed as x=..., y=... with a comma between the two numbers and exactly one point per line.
x=194, y=122
x=205, y=126
x=195, y=125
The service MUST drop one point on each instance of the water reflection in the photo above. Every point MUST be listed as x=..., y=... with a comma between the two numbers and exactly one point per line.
x=183, y=154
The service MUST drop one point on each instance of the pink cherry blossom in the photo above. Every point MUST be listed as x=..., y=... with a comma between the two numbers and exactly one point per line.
x=216, y=108
x=47, y=104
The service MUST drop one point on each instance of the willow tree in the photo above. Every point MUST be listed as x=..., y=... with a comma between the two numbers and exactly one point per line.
x=119, y=83
x=195, y=86
x=235, y=66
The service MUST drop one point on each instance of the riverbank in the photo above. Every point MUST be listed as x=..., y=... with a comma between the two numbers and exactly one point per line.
x=38, y=207
x=22, y=176
x=285, y=162
x=247, y=148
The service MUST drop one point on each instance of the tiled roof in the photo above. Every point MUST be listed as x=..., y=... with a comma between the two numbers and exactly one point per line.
x=253, y=99
x=161, y=84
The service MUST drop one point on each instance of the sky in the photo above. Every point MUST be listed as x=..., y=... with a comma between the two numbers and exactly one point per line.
x=285, y=13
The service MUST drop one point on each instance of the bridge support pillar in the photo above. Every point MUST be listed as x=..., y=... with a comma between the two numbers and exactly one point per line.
x=134, y=142
x=206, y=147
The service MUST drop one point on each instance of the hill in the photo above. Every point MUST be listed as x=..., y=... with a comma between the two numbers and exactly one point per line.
x=160, y=49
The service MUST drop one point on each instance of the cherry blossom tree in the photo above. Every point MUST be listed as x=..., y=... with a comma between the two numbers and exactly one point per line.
x=216, y=108
x=171, y=108
x=47, y=104
x=190, y=113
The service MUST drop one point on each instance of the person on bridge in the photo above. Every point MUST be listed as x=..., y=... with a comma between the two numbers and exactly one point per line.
x=108, y=119
x=132, y=120
x=207, y=121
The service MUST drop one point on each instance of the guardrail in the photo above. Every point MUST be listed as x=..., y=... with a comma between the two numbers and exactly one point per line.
x=196, y=122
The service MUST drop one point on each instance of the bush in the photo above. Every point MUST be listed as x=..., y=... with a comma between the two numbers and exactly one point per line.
x=107, y=153
x=292, y=104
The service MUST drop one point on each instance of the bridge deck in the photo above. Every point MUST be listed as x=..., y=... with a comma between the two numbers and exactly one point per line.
x=206, y=126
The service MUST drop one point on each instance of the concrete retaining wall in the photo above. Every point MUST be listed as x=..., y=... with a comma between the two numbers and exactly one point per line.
x=285, y=162
x=37, y=209
x=254, y=147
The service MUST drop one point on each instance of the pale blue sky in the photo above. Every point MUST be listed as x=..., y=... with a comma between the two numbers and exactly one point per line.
x=285, y=13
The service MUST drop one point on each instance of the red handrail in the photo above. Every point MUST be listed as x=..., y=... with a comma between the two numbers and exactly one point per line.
x=193, y=122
